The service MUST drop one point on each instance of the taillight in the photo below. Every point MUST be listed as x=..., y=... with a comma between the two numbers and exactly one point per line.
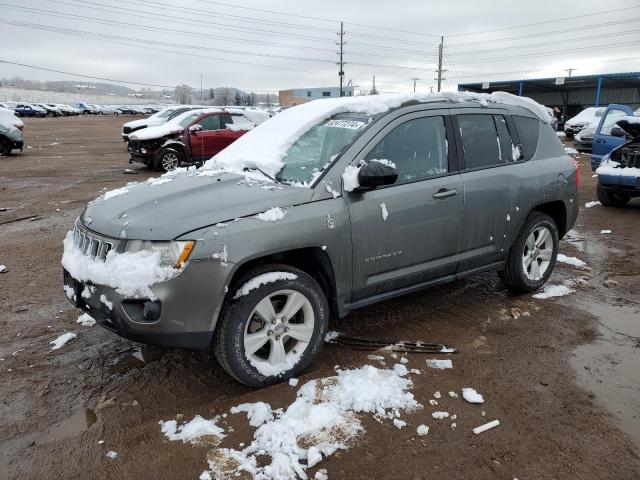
x=575, y=164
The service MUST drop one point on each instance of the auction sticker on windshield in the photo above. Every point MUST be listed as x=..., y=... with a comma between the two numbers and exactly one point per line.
x=352, y=124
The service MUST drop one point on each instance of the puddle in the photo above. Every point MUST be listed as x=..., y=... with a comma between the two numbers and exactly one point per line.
x=136, y=358
x=79, y=421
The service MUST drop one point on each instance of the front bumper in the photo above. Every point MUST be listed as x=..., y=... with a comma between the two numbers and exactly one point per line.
x=17, y=145
x=142, y=153
x=572, y=130
x=183, y=315
x=620, y=184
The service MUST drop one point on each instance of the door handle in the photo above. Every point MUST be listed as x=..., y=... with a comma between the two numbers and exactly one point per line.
x=444, y=193
x=601, y=140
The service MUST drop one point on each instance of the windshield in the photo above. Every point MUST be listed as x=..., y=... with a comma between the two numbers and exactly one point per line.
x=164, y=113
x=184, y=123
x=314, y=150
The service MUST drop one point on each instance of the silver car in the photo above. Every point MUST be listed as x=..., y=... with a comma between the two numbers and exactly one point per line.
x=10, y=137
x=363, y=207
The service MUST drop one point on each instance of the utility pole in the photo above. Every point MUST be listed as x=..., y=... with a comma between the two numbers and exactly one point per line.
x=570, y=70
x=440, y=69
x=415, y=79
x=341, y=63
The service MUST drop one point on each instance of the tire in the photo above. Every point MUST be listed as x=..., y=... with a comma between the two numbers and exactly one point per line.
x=167, y=159
x=569, y=135
x=5, y=147
x=520, y=276
x=239, y=319
x=609, y=199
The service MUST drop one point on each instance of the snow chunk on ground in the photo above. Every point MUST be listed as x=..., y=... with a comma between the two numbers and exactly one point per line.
x=130, y=273
x=319, y=422
x=606, y=232
x=263, y=279
x=331, y=335
x=321, y=474
x=571, y=150
x=471, y=396
x=422, y=430
x=350, y=178
x=86, y=320
x=385, y=213
x=293, y=382
x=439, y=364
x=62, y=340
x=551, y=291
x=591, y=204
x=3, y=268
x=399, y=423
x=571, y=261
x=257, y=413
x=111, y=454
x=272, y=215
x=400, y=369
x=193, y=430
x=440, y=415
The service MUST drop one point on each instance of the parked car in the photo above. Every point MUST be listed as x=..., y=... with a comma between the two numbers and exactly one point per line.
x=188, y=139
x=619, y=171
x=29, y=110
x=585, y=118
x=9, y=116
x=68, y=110
x=156, y=119
x=608, y=136
x=325, y=208
x=583, y=140
x=10, y=136
x=52, y=111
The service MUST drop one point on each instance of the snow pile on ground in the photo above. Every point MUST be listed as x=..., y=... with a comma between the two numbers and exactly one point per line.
x=86, y=320
x=263, y=279
x=266, y=145
x=319, y=422
x=551, y=291
x=561, y=134
x=471, y=396
x=571, y=150
x=272, y=215
x=194, y=431
x=111, y=454
x=130, y=273
x=605, y=232
x=3, y=268
x=62, y=340
x=576, y=262
x=440, y=415
x=439, y=364
x=592, y=204
x=257, y=413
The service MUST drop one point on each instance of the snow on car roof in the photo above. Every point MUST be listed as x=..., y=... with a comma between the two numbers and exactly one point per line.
x=265, y=146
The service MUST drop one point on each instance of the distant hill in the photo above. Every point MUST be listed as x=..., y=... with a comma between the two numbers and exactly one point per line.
x=71, y=86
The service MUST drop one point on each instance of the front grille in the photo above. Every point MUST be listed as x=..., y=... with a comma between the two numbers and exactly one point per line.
x=90, y=244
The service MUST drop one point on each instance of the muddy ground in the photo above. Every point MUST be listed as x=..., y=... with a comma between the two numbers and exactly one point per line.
x=564, y=380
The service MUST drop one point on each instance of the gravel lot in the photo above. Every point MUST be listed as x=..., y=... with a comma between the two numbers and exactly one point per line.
x=562, y=375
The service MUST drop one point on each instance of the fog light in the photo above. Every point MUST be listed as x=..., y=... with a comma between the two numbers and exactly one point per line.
x=151, y=311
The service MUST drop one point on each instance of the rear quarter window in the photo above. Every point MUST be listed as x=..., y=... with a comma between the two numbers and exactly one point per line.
x=528, y=130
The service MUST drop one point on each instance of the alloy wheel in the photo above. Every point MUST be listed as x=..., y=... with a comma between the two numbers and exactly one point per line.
x=169, y=161
x=537, y=254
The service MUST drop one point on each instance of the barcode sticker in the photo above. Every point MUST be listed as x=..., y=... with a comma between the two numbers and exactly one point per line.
x=352, y=124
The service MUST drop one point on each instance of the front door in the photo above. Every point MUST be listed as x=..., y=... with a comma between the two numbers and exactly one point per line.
x=406, y=233
x=213, y=138
x=603, y=141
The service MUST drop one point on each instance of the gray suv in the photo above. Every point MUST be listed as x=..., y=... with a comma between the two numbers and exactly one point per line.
x=365, y=207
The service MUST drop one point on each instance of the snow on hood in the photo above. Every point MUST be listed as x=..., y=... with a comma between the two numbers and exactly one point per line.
x=587, y=116
x=266, y=145
x=172, y=126
x=9, y=116
x=145, y=122
x=630, y=124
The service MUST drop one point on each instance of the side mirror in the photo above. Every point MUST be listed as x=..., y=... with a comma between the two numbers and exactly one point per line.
x=194, y=129
x=376, y=174
x=616, y=131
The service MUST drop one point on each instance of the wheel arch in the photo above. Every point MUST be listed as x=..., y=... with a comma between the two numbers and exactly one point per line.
x=557, y=210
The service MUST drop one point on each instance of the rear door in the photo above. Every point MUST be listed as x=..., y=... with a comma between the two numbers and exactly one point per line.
x=486, y=142
x=406, y=233
x=603, y=141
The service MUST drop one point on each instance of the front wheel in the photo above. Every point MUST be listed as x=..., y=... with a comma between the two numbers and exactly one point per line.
x=273, y=327
x=167, y=160
x=609, y=199
x=5, y=147
x=533, y=254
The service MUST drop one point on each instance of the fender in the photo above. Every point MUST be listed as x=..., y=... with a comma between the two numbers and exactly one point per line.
x=178, y=145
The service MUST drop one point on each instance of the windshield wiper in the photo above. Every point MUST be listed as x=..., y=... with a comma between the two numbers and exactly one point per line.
x=264, y=173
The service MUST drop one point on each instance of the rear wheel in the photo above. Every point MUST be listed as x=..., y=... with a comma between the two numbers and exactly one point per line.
x=274, y=331
x=5, y=147
x=609, y=199
x=168, y=159
x=532, y=255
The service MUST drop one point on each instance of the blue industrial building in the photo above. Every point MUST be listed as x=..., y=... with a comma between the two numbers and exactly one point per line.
x=570, y=94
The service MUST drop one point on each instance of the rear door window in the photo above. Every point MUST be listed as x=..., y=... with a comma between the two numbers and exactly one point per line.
x=480, y=141
x=528, y=130
x=211, y=122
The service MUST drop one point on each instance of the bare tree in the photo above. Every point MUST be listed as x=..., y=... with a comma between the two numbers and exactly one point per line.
x=183, y=94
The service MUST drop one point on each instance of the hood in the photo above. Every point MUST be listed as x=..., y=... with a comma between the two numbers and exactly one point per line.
x=166, y=208
x=145, y=122
x=631, y=126
x=158, y=131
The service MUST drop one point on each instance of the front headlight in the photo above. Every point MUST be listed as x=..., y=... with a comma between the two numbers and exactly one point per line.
x=172, y=254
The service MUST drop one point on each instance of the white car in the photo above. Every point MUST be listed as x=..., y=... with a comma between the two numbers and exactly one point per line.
x=585, y=118
x=154, y=120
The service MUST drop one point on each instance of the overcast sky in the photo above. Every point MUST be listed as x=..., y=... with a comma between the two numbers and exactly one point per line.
x=170, y=42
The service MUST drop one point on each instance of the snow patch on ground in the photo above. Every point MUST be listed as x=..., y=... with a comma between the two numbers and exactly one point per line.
x=257, y=413
x=592, y=204
x=439, y=364
x=331, y=335
x=263, y=279
x=471, y=396
x=192, y=431
x=571, y=150
x=319, y=422
x=62, y=340
x=576, y=262
x=86, y=320
x=605, y=232
x=130, y=273
x=551, y=291
x=422, y=430
x=440, y=415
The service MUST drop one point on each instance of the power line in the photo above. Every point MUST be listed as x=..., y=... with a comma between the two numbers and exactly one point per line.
x=555, y=20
